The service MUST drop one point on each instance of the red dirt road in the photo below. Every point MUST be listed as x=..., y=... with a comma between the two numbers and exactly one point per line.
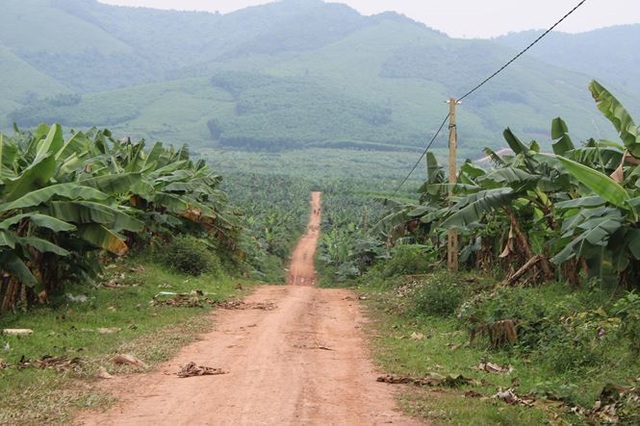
x=303, y=363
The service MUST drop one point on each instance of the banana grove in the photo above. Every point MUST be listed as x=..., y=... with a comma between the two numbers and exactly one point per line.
x=65, y=201
x=570, y=215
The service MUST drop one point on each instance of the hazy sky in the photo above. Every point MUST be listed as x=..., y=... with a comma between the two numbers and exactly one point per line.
x=457, y=18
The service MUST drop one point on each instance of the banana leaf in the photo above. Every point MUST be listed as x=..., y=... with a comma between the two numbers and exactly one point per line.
x=618, y=115
x=62, y=190
x=598, y=182
x=471, y=208
x=560, y=134
x=39, y=220
x=12, y=263
x=103, y=238
x=43, y=246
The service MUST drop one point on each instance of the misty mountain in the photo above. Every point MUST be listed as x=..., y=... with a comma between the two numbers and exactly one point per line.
x=292, y=74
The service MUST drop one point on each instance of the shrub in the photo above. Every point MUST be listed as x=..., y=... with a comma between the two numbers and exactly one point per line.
x=438, y=295
x=562, y=329
x=409, y=260
x=190, y=255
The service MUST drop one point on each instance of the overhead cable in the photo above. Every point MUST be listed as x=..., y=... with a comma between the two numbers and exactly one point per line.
x=486, y=80
x=423, y=154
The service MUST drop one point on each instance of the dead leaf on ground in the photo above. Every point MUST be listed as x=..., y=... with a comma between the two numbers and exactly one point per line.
x=417, y=336
x=616, y=405
x=325, y=348
x=240, y=305
x=111, y=330
x=17, y=331
x=103, y=374
x=510, y=397
x=490, y=367
x=431, y=380
x=127, y=359
x=192, y=370
x=47, y=361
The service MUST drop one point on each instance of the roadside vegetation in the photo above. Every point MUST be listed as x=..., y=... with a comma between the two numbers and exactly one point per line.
x=541, y=324
x=137, y=308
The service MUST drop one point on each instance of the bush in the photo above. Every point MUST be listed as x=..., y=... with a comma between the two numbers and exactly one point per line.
x=409, y=260
x=562, y=329
x=190, y=255
x=438, y=295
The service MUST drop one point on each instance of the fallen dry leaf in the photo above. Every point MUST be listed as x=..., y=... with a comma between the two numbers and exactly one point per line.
x=490, y=367
x=417, y=336
x=111, y=330
x=103, y=374
x=127, y=359
x=17, y=331
x=510, y=397
x=431, y=380
x=192, y=370
x=48, y=361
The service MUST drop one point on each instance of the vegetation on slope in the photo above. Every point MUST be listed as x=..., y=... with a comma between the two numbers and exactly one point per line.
x=306, y=73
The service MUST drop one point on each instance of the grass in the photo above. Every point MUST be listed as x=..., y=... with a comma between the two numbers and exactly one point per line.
x=442, y=351
x=412, y=344
x=111, y=321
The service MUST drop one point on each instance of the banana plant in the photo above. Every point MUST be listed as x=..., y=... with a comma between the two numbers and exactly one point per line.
x=62, y=199
x=600, y=222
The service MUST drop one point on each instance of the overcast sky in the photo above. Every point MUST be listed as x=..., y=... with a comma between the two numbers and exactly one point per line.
x=457, y=18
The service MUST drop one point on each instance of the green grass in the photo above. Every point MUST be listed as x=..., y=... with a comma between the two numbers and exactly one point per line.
x=443, y=352
x=547, y=370
x=71, y=329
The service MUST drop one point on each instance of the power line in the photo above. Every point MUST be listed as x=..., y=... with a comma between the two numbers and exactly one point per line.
x=486, y=80
x=422, y=156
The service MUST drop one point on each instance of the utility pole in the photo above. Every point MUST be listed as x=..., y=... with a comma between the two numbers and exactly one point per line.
x=452, y=253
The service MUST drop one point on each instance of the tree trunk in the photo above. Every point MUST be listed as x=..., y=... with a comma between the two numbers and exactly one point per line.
x=11, y=295
x=523, y=242
x=570, y=273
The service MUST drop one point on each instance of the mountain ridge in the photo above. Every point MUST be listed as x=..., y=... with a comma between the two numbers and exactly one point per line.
x=305, y=73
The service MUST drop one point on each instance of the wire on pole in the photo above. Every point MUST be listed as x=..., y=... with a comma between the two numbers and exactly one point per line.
x=422, y=156
x=486, y=80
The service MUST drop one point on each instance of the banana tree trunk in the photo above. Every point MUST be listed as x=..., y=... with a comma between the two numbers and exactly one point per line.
x=11, y=295
x=523, y=242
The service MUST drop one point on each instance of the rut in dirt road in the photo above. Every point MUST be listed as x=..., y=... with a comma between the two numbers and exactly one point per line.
x=303, y=363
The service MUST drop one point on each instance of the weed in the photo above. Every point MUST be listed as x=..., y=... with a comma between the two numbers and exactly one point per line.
x=409, y=260
x=190, y=255
x=438, y=294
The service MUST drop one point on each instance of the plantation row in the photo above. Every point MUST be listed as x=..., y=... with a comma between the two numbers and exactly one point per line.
x=64, y=202
x=571, y=216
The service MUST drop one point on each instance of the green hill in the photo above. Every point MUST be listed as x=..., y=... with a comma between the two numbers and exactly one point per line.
x=608, y=54
x=21, y=82
x=290, y=74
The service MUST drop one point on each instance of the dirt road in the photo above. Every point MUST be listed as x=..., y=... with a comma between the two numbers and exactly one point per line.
x=304, y=362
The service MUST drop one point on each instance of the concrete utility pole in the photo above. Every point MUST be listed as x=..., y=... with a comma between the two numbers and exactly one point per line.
x=452, y=253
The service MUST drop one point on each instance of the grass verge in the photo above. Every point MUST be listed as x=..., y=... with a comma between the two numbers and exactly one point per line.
x=86, y=327
x=571, y=350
